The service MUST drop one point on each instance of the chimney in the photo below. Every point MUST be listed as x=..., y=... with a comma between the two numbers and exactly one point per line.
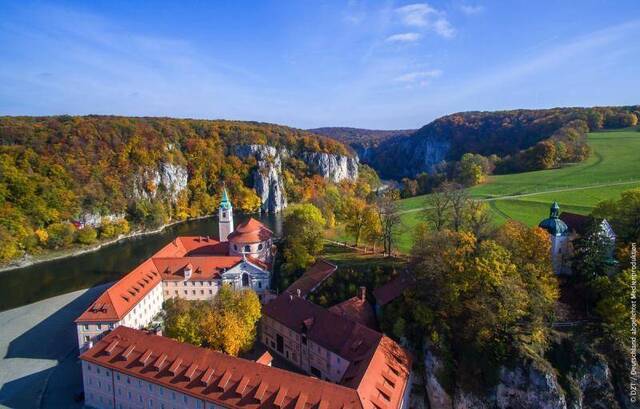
x=362, y=294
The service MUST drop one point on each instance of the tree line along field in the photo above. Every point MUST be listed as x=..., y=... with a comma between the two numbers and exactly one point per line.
x=613, y=167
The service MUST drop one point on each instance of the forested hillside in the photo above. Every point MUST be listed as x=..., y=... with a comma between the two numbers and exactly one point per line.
x=513, y=141
x=105, y=173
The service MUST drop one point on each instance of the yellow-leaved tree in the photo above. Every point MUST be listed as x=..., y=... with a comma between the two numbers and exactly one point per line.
x=227, y=323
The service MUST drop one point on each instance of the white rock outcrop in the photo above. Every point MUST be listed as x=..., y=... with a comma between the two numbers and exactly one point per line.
x=168, y=178
x=332, y=166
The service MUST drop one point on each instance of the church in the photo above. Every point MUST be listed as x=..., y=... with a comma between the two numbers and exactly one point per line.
x=189, y=267
x=563, y=228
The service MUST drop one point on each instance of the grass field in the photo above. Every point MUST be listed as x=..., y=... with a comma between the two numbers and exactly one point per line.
x=614, y=166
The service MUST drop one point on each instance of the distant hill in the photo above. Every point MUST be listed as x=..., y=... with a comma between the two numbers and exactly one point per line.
x=360, y=136
x=363, y=141
x=525, y=139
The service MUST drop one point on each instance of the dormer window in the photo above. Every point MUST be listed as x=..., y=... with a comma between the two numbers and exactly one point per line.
x=247, y=248
x=188, y=270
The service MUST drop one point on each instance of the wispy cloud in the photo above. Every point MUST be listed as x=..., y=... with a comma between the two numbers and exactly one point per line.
x=424, y=16
x=421, y=78
x=469, y=9
x=403, y=38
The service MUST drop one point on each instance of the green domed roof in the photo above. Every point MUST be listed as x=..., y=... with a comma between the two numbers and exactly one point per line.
x=553, y=224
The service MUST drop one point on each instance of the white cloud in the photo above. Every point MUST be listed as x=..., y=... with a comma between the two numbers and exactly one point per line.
x=424, y=16
x=403, y=38
x=420, y=78
x=470, y=9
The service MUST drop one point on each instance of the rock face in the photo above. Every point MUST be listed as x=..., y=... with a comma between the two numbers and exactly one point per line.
x=167, y=178
x=331, y=166
x=438, y=398
x=95, y=219
x=267, y=177
x=529, y=386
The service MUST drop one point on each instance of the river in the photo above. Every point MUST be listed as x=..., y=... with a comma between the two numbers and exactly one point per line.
x=43, y=280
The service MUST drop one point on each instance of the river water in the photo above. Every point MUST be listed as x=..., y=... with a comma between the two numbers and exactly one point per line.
x=33, y=283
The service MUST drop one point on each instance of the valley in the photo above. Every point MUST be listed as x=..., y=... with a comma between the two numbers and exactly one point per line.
x=613, y=167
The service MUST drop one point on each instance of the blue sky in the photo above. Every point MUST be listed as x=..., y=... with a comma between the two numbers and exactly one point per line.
x=382, y=65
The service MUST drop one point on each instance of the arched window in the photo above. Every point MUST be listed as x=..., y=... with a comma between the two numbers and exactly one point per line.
x=247, y=248
x=245, y=280
x=235, y=247
x=260, y=246
x=224, y=215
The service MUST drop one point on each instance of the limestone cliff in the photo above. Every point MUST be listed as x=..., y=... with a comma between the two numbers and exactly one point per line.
x=529, y=384
x=332, y=166
x=167, y=178
x=267, y=177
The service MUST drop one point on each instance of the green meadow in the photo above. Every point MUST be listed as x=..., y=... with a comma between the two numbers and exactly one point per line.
x=613, y=167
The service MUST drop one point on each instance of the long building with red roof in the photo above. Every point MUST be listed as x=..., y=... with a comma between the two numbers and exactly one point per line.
x=190, y=267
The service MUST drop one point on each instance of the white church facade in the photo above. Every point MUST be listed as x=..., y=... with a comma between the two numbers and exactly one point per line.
x=563, y=228
x=190, y=267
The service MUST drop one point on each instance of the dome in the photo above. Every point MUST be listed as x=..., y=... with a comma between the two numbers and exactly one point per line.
x=555, y=227
x=251, y=231
x=553, y=224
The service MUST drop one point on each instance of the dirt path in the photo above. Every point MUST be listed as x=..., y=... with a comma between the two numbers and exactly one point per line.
x=517, y=196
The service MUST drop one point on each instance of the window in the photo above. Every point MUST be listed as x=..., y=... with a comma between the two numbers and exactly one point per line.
x=202, y=292
x=86, y=327
x=235, y=247
x=87, y=338
x=185, y=399
x=260, y=246
x=247, y=248
x=99, y=326
x=210, y=292
x=245, y=280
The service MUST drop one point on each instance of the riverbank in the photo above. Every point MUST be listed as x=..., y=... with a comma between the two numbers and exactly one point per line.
x=38, y=345
x=31, y=260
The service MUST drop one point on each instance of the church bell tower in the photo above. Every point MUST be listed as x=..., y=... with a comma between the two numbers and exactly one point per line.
x=225, y=216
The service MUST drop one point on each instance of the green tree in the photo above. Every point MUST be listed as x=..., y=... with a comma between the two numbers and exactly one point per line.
x=60, y=235
x=303, y=231
x=87, y=235
x=623, y=215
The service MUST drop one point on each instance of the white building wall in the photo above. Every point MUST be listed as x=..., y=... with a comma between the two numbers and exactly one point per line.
x=191, y=289
x=260, y=251
x=107, y=389
x=139, y=317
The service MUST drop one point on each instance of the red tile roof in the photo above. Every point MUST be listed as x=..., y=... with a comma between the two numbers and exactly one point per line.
x=372, y=355
x=357, y=309
x=120, y=298
x=202, y=268
x=312, y=278
x=576, y=222
x=393, y=289
x=217, y=377
x=207, y=256
x=251, y=231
